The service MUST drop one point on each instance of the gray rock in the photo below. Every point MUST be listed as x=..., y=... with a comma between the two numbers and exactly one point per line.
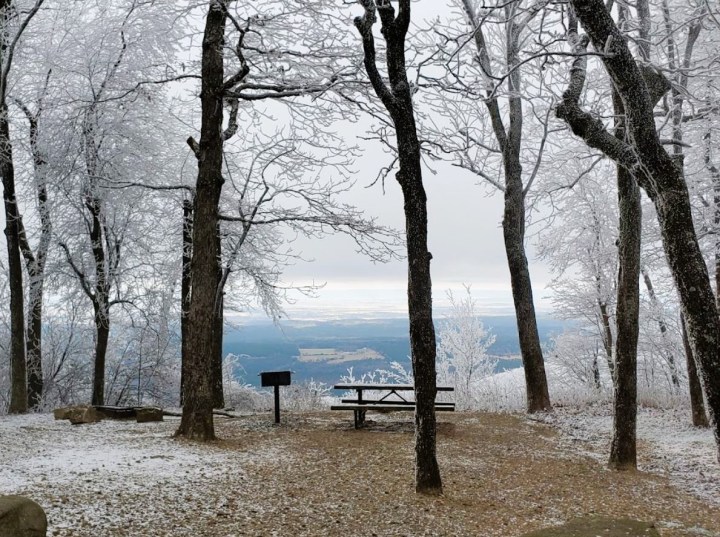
x=21, y=517
x=594, y=526
x=64, y=412
x=84, y=414
x=147, y=414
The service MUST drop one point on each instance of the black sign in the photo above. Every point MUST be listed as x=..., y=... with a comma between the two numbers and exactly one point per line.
x=275, y=378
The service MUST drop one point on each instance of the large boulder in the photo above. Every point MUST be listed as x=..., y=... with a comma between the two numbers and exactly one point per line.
x=21, y=517
x=146, y=414
x=594, y=526
x=83, y=414
x=64, y=412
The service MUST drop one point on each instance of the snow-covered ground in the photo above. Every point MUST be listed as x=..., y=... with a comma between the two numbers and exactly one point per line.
x=94, y=472
x=126, y=479
x=668, y=444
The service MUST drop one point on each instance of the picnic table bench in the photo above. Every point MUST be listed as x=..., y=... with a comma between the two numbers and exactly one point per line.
x=392, y=401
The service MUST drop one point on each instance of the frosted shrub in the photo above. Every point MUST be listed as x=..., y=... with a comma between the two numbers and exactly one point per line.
x=462, y=357
x=239, y=394
x=305, y=396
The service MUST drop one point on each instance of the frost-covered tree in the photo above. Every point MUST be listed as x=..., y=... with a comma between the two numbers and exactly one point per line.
x=462, y=352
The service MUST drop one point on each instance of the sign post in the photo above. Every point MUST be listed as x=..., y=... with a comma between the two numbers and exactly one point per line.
x=275, y=379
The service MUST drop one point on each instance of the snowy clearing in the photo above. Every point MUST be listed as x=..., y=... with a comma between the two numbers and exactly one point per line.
x=504, y=475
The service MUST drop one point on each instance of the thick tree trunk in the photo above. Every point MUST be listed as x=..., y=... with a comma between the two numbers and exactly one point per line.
x=536, y=388
x=422, y=330
x=185, y=290
x=18, y=366
x=658, y=174
x=697, y=404
x=102, y=334
x=397, y=99
x=623, y=449
x=197, y=417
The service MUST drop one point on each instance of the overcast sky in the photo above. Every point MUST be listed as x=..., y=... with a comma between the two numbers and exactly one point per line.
x=465, y=238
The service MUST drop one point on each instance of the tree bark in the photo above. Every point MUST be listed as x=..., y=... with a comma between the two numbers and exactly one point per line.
x=697, y=405
x=197, y=415
x=101, y=293
x=623, y=449
x=536, y=388
x=218, y=396
x=397, y=99
x=185, y=290
x=658, y=174
x=102, y=334
x=35, y=265
x=18, y=365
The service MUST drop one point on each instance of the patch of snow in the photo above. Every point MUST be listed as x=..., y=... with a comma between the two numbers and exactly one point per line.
x=668, y=444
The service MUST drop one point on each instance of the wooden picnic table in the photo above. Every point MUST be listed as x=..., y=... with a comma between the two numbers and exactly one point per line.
x=393, y=400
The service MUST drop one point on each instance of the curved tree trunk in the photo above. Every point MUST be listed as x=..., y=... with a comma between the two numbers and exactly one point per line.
x=536, y=388
x=197, y=418
x=35, y=264
x=661, y=178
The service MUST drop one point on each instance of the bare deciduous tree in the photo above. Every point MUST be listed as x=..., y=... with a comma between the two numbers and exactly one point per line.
x=397, y=99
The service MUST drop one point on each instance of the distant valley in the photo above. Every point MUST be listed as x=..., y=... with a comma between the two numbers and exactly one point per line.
x=325, y=350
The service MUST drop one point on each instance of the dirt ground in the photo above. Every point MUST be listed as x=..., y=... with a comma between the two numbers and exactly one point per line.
x=314, y=475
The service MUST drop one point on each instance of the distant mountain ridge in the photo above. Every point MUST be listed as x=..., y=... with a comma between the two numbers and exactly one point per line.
x=263, y=346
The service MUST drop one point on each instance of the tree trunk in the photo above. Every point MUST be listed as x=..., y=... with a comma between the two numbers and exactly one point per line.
x=218, y=396
x=697, y=405
x=185, y=290
x=623, y=449
x=510, y=141
x=35, y=266
x=422, y=330
x=18, y=366
x=102, y=334
x=397, y=99
x=197, y=417
x=669, y=357
x=658, y=174
x=34, y=339
x=536, y=388
x=100, y=298
x=607, y=338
